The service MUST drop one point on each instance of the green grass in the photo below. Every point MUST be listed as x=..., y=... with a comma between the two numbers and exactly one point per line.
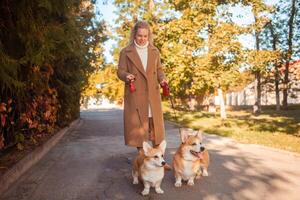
x=274, y=129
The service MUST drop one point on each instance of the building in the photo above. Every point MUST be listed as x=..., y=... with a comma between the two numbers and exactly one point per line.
x=247, y=95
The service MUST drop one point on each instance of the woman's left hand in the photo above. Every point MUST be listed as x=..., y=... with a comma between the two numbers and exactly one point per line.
x=164, y=81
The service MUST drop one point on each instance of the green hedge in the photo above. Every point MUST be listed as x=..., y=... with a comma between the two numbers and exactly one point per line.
x=46, y=53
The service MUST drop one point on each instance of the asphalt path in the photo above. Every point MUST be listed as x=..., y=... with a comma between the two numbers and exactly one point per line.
x=92, y=162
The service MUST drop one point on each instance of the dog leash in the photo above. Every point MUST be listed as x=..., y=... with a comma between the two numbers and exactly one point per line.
x=167, y=94
x=175, y=116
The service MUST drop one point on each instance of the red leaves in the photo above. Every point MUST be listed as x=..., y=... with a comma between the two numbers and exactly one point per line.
x=3, y=119
x=47, y=115
x=4, y=110
x=1, y=141
x=2, y=107
x=37, y=110
x=41, y=113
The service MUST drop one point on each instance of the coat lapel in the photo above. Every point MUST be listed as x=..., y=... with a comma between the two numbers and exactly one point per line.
x=134, y=57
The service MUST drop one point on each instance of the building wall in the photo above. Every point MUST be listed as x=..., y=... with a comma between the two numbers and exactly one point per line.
x=268, y=97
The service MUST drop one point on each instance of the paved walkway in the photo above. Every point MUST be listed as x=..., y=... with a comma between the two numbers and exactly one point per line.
x=90, y=162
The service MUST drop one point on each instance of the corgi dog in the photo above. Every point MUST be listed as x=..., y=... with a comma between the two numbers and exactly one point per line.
x=191, y=159
x=148, y=166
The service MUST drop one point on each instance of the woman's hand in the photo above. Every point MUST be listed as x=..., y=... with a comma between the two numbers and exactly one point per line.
x=130, y=77
x=165, y=87
x=164, y=81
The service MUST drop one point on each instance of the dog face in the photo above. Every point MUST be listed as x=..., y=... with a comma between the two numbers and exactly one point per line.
x=192, y=144
x=155, y=156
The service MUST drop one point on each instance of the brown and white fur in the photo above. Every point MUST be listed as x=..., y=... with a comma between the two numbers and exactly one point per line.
x=148, y=166
x=190, y=160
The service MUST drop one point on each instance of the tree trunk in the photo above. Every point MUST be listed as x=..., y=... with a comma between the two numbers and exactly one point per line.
x=277, y=88
x=257, y=74
x=222, y=105
x=285, y=86
x=274, y=42
x=258, y=92
x=288, y=56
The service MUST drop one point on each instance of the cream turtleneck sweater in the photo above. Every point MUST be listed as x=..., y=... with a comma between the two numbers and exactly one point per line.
x=143, y=54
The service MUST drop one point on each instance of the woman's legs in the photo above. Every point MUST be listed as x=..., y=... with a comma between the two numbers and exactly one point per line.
x=152, y=139
x=151, y=131
x=151, y=135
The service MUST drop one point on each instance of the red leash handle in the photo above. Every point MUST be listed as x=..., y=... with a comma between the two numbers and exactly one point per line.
x=132, y=87
x=166, y=89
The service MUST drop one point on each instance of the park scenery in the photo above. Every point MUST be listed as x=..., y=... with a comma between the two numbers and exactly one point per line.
x=232, y=66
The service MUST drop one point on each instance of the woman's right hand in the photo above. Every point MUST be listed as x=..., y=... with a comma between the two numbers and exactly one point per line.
x=130, y=77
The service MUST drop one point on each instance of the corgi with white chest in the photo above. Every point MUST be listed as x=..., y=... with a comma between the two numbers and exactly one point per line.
x=148, y=166
x=190, y=160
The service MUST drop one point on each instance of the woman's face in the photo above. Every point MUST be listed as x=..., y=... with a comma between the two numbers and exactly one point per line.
x=141, y=37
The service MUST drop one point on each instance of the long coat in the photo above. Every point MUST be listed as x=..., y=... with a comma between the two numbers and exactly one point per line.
x=147, y=92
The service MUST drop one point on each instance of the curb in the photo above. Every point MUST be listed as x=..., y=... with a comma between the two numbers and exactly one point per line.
x=12, y=174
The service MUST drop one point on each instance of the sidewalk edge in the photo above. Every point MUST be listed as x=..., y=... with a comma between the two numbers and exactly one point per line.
x=12, y=174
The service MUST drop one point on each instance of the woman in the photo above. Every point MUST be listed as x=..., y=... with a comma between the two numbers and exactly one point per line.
x=140, y=65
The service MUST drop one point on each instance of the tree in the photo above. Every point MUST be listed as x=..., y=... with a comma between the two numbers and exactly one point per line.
x=215, y=53
x=46, y=55
x=289, y=51
x=105, y=82
x=277, y=63
x=280, y=35
x=258, y=59
x=199, y=42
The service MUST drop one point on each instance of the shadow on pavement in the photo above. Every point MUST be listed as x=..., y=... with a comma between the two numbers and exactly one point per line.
x=230, y=177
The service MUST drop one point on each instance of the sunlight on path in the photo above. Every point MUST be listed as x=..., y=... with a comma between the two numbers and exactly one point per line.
x=94, y=103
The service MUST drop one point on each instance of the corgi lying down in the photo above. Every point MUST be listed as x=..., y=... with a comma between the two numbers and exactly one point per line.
x=148, y=166
x=190, y=160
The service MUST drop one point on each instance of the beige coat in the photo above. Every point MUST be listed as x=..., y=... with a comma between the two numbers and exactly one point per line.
x=147, y=92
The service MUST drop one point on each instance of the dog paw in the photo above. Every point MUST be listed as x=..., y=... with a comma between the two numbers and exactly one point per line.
x=191, y=182
x=145, y=192
x=159, y=191
x=178, y=184
x=204, y=173
x=135, y=182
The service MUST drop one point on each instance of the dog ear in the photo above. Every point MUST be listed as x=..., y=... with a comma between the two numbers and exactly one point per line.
x=163, y=146
x=184, y=135
x=146, y=148
x=199, y=135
